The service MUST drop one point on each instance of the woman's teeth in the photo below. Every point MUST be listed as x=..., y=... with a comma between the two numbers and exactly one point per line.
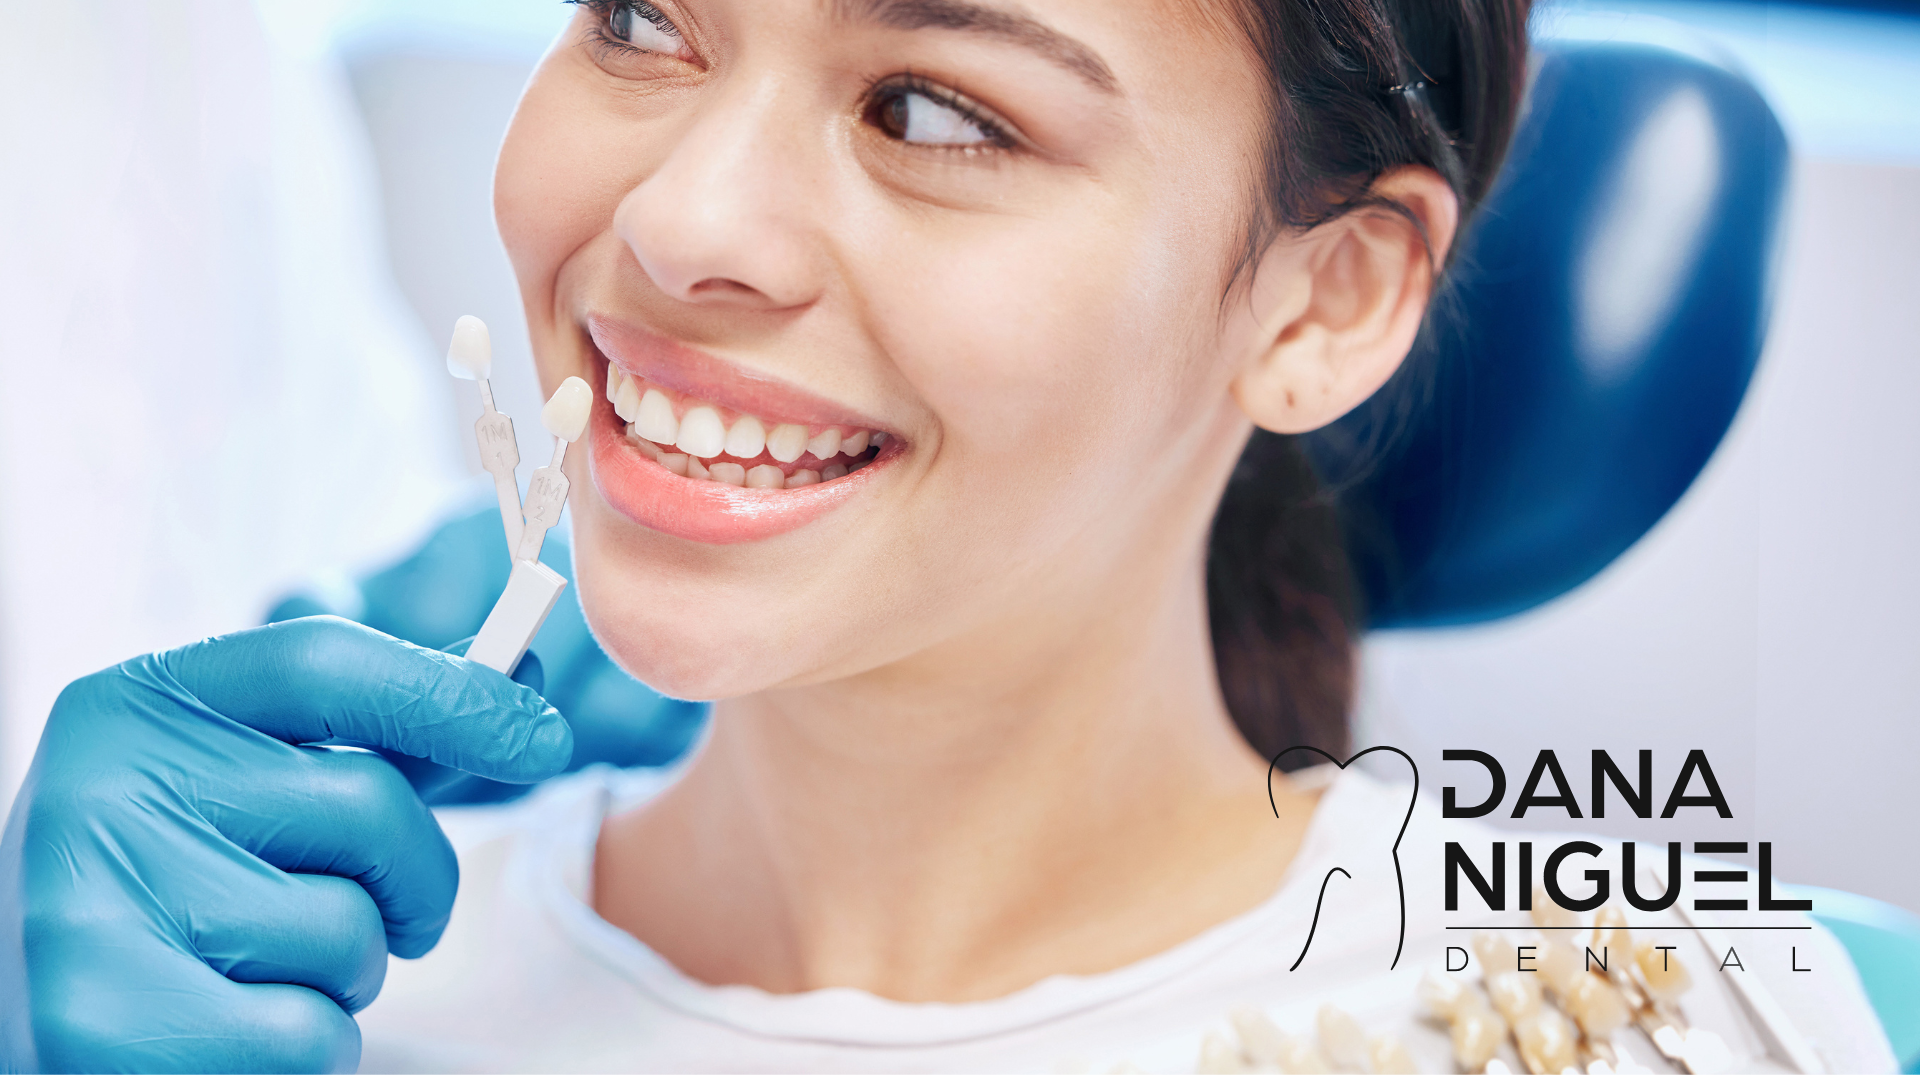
x=786, y=443
x=653, y=416
x=700, y=435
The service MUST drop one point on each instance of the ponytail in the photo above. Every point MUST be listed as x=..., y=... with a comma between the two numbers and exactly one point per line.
x=1358, y=87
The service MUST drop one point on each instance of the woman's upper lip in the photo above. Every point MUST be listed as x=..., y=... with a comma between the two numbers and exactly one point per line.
x=702, y=376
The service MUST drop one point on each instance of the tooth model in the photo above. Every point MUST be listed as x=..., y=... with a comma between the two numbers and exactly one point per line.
x=470, y=356
x=533, y=588
x=565, y=416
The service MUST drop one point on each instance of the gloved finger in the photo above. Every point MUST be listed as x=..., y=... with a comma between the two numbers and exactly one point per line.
x=350, y=815
x=324, y=679
x=177, y=1016
x=309, y=930
x=530, y=672
x=432, y=780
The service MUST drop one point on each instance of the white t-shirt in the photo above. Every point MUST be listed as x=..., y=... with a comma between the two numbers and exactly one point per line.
x=528, y=978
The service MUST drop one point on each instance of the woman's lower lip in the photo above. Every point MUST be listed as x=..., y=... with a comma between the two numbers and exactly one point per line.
x=699, y=510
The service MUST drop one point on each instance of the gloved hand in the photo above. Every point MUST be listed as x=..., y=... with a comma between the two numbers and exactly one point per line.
x=189, y=884
x=444, y=590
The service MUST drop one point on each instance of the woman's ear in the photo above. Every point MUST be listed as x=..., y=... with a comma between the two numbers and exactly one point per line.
x=1334, y=311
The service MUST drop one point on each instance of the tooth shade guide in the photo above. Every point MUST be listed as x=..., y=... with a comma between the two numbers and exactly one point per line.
x=516, y=616
x=566, y=412
x=565, y=416
x=470, y=356
x=470, y=352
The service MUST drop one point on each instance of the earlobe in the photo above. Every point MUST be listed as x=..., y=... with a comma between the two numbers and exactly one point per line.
x=1334, y=311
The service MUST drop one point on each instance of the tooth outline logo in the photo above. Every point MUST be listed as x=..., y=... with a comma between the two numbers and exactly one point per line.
x=1399, y=878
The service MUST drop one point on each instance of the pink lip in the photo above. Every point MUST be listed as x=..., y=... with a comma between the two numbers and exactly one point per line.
x=698, y=510
x=691, y=373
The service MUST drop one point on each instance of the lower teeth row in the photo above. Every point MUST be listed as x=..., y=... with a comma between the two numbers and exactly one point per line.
x=734, y=474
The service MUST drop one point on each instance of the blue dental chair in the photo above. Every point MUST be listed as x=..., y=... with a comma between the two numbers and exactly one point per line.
x=1608, y=309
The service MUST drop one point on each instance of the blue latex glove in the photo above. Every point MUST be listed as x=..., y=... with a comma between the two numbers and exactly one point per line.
x=442, y=593
x=189, y=884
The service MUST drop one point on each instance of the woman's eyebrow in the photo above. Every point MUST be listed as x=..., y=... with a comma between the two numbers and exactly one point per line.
x=994, y=22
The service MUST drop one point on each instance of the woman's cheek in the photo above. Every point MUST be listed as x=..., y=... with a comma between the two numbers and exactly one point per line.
x=556, y=184
x=1014, y=335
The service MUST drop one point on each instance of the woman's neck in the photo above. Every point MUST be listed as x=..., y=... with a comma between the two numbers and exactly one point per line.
x=962, y=825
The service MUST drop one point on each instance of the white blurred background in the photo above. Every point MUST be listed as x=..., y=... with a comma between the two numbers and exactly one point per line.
x=232, y=240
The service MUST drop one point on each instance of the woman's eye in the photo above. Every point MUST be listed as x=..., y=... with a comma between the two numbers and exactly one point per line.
x=642, y=26
x=914, y=116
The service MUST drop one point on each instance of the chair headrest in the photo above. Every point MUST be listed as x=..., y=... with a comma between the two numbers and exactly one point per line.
x=1607, y=312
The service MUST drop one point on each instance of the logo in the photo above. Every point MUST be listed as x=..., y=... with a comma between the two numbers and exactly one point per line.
x=1398, y=878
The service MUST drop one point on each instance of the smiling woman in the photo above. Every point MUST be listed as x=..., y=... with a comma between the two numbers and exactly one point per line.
x=1003, y=252
x=945, y=357
x=930, y=334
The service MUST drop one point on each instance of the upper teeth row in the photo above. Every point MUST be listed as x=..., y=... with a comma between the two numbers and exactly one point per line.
x=701, y=432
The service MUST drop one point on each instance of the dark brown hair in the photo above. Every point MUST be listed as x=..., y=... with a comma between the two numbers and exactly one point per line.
x=1358, y=87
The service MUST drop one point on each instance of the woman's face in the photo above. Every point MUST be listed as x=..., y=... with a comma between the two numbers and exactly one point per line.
x=999, y=233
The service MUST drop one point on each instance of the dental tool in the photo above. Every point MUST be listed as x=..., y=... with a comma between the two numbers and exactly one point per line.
x=516, y=617
x=565, y=417
x=533, y=588
x=470, y=356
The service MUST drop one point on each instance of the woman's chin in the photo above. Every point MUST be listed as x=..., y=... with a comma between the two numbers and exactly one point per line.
x=686, y=656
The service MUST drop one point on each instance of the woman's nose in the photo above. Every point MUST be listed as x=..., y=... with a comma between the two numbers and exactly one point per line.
x=721, y=221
